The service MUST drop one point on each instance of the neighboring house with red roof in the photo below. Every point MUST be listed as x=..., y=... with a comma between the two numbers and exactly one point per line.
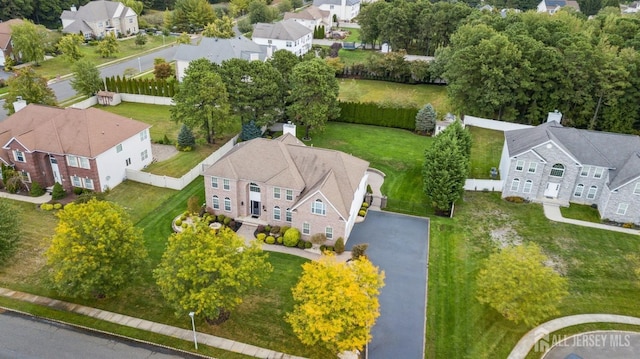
x=87, y=148
x=285, y=183
x=99, y=18
x=5, y=39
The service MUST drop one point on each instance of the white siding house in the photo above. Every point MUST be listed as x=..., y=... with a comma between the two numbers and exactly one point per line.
x=133, y=153
x=288, y=35
x=345, y=10
x=100, y=18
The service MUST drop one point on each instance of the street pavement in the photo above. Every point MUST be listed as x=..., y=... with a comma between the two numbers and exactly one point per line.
x=26, y=337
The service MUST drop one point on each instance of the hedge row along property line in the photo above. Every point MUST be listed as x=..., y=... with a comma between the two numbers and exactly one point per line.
x=151, y=87
x=375, y=114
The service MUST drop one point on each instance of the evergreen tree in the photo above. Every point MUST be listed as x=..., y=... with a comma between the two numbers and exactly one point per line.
x=444, y=173
x=426, y=119
x=250, y=131
x=186, y=140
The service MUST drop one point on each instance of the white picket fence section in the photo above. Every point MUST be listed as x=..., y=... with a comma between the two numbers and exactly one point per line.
x=182, y=182
x=492, y=124
x=91, y=101
x=483, y=185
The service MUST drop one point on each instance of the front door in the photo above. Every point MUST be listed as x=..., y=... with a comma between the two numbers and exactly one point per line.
x=552, y=190
x=54, y=168
x=255, y=209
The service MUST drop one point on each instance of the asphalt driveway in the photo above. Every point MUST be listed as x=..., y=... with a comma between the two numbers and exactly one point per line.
x=398, y=244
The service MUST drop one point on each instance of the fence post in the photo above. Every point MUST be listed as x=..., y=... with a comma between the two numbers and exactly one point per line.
x=383, y=202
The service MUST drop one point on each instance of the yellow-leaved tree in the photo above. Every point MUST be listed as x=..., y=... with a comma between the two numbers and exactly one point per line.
x=208, y=272
x=336, y=303
x=95, y=250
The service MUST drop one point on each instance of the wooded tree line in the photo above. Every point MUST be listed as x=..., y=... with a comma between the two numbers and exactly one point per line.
x=520, y=67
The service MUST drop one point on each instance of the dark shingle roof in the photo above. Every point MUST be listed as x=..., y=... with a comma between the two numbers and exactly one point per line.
x=282, y=30
x=335, y=2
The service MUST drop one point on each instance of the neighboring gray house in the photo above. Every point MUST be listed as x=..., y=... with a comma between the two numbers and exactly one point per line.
x=311, y=17
x=218, y=50
x=345, y=10
x=99, y=18
x=288, y=35
x=552, y=163
x=552, y=6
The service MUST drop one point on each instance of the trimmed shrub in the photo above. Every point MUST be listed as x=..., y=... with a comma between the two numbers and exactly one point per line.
x=514, y=199
x=330, y=248
x=57, y=206
x=184, y=225
x=178, y=222
x=183, y=217
x=318, y=238
x=308, y=245
x=221, y=218
x=275, y=230
x=46, y=206
x=377, y=115
x=359, y=250
x=193, y=204
x=362, y=212
x=227, y=221
x=36, y=190
x=270, y=239
x=58, y=192
x=78, y=190
x=301, y=244
x=627, y=225
x=365, y=205
x=261, y=237
x=339, y=246
x=369, y=190
x=267, y=228
x=291, y=237
x=280, y=239
x=283, y=229
x=260, y=228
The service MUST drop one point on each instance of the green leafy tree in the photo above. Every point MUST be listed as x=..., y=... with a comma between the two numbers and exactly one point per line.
x=208, y=272
x=426, y=119
x=444, y=173
x=161, y=69
x=202, y=100
x=9, y=229
x=238, y=7
x=314, y=95
x=462, y=137
x=284, y=61
x=141, y=39
x=28, y=41
x=337, y=322
x=69, y=46
x=184, y=38
x=296, y=3
x=95, y=251
x=370, y=25
x=516, y=283
x=221, y=28
x=186, y=139
x=137, y=6
x=32, y=88
x=16, y=9
x=108, y=46
x=285, y=6
x=86, y=78
x=191, y=15
x=259, y=11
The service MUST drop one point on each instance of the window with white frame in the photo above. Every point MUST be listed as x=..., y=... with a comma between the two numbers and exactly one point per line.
x=532, y=167
x=254, y=187
x=216, y=202
x=276, y=213
x=289, y=44
x=598, y=172
x=622, y=209
x=288, y=215
x=328, y=231
x=519, y=165
x=19, y=156
x=84, y=162
x=592, y=192
x=318, y=207
x=25, y=176
x=227, y=204
x=306, y=228
x=636, y=189
x=144, y=155
x=143, y=135
x=119, y=148
x=579, y=190
x=72, y=161
x=557, y=170
x=77, y=161
x=76, y=181
x=276, y=192
x=289, y=194
x=214, y=182
x=88, y=183
x=515, y=185
x=585, y=171
x=226, y=184
x=527, y=186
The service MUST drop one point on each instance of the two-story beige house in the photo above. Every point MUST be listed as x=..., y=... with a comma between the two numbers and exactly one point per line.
x=286, y=183
x=100, y=18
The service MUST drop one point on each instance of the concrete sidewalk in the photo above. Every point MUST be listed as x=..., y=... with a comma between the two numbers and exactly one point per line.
x=552, y=212
x=184, y=334
x=18, y=197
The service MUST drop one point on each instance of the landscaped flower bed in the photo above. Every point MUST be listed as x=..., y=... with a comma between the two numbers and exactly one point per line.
x=215, y=221
x=290, y=237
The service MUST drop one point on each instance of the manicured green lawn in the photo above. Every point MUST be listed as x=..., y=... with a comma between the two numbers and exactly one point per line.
x=358, y=56
x=395, y=94
x=596, y=263
x=183, y=162
x=398, y=153
x=485, y=152
x=59, y=66
x=581, y=212
x=157, y=116
x=354, y=34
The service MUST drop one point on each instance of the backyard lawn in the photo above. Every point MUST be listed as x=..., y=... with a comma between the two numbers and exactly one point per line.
x=485, y=152
x=358, y=56
x=395, y=94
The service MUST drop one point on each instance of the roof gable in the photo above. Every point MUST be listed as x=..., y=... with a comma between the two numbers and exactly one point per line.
x=335, y=2
x=219, y=50
x=5, y=32
x=283, y=30
x=310, y=13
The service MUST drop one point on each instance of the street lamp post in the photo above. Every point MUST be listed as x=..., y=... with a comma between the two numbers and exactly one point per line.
x=193, y=325
x=139, y=65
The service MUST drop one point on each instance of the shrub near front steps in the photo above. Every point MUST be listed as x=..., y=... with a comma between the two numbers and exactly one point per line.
x=291, y=237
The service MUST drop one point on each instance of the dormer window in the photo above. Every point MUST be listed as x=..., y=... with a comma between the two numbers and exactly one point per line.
x=19, y=156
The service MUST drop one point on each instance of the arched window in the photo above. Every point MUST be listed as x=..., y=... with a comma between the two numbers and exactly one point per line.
x=579, y=190
x=317, y=207
x=557, y=170
x=276, y=213
x=216, y=202
x=527, y=186
x=515, y=185
x=592, y=192
x=254, y=187
x=227, y=204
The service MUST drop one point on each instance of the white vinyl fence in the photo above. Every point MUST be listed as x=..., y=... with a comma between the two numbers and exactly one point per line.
x=492, y=124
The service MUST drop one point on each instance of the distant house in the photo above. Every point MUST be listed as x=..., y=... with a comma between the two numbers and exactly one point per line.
x=285, y=183
x=344, y=10
x=631, y=8
x=311, y=17
x=562, y=165
x=217, y=51
x=77, y=148
x=288, y=35
x=5, y=39
x=99, y=18
x=552, y=6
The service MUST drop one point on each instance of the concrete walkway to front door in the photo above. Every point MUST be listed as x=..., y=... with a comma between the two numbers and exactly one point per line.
x=552, y=212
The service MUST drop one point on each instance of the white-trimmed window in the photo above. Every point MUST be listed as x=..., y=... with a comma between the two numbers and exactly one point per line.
x=328, y=231
x=216, y=202
x=585, y=171
x=253, y=187
x=527, y=186
x=25, y=176
x=19, y=156
x=84, y=162
x=276, y=213
x=88, y=183
x=289, y=194
x=143, y=135
x=636, y=189
x=557, y=170
x=306, y=228
x=214, y=182
x=519, y=165
x=76, y=181
x=119, y=148
x=289, y=44
x=622, y=208
x=598, y=172
x=532, y=167
x=318, y=207
x=592, y=192
x=288, y=215
x=144, y=155
x=276, y=192
x=226, y=184
x=227, y=204
x=515, y=185
x=72, y=161
x=579, y=190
